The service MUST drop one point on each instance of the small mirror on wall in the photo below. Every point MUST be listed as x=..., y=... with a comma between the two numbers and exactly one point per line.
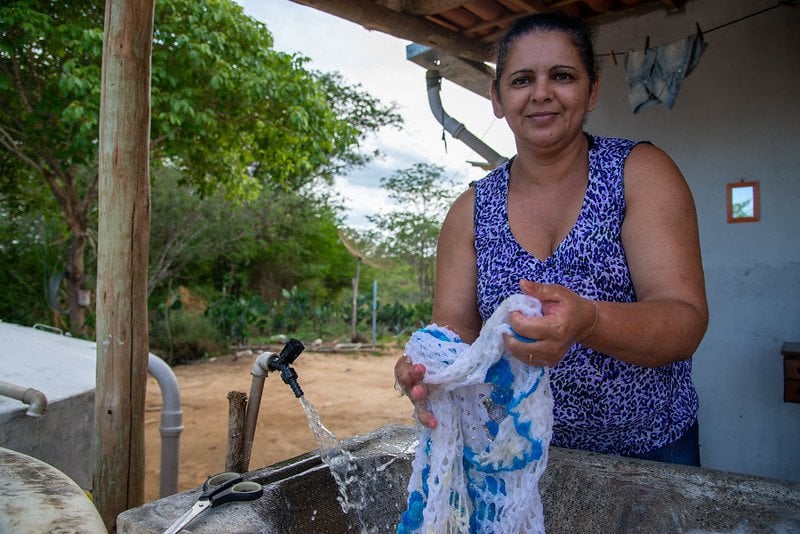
x=743, y=202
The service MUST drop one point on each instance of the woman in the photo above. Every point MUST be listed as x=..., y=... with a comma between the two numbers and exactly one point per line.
x=604, y=233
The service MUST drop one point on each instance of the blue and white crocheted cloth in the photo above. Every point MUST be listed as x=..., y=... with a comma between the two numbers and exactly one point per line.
x=479, y=469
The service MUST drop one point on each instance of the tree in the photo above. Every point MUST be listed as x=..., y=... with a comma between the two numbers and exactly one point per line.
x=281, y=239
x=186, y=226
x=227, y=109
x=410, y=231
x=31, y=259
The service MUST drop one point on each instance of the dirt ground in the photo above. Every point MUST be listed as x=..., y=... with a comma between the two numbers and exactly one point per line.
x=353, y=392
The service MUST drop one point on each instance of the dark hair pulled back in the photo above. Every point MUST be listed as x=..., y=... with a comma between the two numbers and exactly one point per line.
x=579, y=33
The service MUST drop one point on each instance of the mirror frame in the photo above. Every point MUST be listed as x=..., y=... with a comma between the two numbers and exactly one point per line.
x=753, y=184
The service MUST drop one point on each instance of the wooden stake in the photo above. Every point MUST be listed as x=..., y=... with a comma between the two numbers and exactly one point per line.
x=234, y=456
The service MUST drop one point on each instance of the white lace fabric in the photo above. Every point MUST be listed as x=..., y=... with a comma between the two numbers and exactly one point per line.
x=479, y=469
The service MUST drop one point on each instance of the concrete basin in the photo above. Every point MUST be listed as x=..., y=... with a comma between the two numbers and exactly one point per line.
x=36, y=497
x=582, y=493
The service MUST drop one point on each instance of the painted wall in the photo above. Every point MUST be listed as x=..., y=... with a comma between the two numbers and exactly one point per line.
x=737, y=117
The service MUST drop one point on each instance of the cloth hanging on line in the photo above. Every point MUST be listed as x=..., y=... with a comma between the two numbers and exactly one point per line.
x=654, y=76
x=479, y=469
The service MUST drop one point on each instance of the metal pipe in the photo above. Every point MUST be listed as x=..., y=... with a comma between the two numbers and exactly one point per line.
x=455, y=128
x=171, y=424
x=259, y=371
x=35, y=399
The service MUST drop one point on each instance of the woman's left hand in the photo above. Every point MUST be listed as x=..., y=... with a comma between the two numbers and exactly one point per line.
x=566, y=319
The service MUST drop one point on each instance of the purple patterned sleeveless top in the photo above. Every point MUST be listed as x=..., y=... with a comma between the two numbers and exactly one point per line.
x=601, y=404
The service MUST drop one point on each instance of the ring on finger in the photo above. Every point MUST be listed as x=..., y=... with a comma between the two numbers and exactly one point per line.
x=530, y=358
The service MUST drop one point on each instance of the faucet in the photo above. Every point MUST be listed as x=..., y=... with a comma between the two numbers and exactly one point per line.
x=282, y=363
x=265, y=363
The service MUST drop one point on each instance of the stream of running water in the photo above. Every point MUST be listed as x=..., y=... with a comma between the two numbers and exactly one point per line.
x=350, y=478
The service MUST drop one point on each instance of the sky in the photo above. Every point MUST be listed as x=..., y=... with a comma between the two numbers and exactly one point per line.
x=377, y=62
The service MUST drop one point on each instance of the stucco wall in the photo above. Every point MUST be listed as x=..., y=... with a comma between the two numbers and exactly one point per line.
x=737, y=117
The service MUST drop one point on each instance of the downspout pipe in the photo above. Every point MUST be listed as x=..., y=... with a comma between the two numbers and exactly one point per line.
x=452, y=126
x=35, y=399
x=171, y=424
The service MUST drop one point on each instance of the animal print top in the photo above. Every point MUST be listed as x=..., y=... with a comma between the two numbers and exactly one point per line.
x=601, y=404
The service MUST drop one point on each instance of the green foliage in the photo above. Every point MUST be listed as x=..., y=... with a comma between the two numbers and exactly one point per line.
x=743, y=209
x=364, y=114
x=271, y=265
x=296, y=308
x=49, y=82
x=399, y=319
x=237, y=319
x=297, y=244
x=276, y=241
x=188, y=230
x=30, y=256
x=243, y=320
x=245, y=141
x=233, y=114
x=182, y=333
x=410, y=231
x=224, y=101
x=178, y=336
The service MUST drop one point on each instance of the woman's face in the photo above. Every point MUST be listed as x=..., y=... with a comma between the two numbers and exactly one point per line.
x=545, y=92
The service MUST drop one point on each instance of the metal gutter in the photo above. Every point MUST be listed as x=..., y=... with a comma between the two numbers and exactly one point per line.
x=455, y=128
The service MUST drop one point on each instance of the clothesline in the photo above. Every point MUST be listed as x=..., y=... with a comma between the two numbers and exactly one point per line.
x=791, y=3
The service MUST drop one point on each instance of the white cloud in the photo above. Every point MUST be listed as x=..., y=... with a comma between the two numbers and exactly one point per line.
x=361, y=201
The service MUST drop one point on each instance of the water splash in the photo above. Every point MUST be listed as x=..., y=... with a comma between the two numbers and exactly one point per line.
x=344, y=469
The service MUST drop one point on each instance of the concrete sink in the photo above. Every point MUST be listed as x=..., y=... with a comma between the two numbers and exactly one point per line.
x=582, y=493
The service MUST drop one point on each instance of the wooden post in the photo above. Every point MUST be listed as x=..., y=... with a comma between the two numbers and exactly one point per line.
x=123, y=239
x=234, y=455
x=354, y=311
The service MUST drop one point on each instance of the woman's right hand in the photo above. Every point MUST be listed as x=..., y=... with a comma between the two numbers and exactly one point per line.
x=409, y=377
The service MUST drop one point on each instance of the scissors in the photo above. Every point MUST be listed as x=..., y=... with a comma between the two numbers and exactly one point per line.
x=219, y=489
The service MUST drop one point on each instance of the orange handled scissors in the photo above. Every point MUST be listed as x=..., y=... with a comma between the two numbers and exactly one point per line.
x=219, y=489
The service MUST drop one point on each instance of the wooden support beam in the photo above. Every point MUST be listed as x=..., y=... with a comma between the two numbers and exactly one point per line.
x=377, y=17
x=673, y=5
x=600, y=6
x=500, y=24
x=123, y=237
x=531, y=6
x=430, y=7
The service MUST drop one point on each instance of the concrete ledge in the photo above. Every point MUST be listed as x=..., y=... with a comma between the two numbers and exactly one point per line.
x=587, y=492
x=582, y=493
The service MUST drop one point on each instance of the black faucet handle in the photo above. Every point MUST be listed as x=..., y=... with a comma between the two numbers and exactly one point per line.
x=291, y=351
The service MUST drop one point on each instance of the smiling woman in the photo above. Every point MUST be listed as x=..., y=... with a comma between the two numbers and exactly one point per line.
x=585, y=225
